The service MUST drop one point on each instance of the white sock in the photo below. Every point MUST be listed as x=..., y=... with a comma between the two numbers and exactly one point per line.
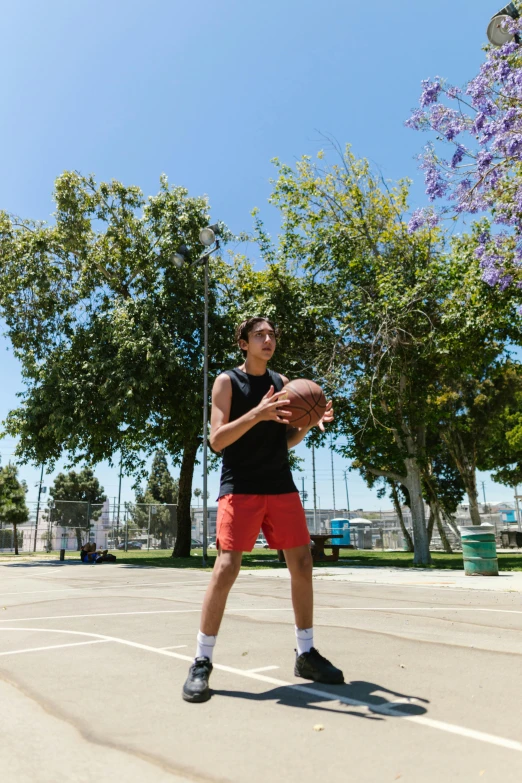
x=205, y=646
x=305, y=639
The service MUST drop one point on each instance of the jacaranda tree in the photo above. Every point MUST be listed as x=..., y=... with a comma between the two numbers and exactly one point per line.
x=473, y=161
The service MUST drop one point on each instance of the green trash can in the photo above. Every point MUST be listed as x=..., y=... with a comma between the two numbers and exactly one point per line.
x=479, y=550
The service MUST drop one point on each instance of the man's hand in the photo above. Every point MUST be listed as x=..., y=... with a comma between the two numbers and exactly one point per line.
x=269, y=409
x=328, y=416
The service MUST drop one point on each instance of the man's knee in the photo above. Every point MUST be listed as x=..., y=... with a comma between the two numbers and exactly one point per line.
x=301, y=564
x=226, y=570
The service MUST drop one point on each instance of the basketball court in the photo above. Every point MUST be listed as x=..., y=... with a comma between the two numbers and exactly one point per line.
x=92, y=660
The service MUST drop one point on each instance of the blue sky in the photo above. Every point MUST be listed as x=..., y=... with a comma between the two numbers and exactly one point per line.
x=209, y=93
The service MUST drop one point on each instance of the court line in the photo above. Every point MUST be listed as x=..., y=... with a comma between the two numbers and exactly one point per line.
x=174, y=647
x=273, y=609
x=103, y=587
x=261, y=669
x=388, y=709
x=53, y=647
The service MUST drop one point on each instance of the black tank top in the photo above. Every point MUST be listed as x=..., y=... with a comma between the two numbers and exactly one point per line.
x=256, y=463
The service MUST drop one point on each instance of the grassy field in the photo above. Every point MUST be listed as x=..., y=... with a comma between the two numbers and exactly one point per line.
x=267, y=558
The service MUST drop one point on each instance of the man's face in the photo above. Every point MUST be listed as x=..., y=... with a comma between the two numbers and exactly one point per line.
x=261, y=341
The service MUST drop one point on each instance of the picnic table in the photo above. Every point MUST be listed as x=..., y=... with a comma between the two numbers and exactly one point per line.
x=318, y=545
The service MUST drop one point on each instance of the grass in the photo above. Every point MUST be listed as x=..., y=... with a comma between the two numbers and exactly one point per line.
x=267, y=558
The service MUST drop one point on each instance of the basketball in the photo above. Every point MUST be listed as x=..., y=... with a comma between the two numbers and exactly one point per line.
x=307, y=402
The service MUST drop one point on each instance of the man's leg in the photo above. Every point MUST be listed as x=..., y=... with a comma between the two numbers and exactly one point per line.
x=224, y=574
x=309, y=663
x=299, y=562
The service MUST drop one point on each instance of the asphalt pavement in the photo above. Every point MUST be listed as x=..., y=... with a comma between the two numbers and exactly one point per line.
x=92, y=660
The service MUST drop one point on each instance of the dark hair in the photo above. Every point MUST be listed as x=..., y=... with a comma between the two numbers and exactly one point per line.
x=244, y=328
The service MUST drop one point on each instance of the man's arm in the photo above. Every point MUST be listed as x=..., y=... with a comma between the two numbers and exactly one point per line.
x=224, y=432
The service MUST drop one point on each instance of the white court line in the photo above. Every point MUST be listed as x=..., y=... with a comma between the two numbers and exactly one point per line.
x=104, y=587
x=261, y=669
x=273, y=609
x=174, y=647
x=388, y=709
x=54, y=647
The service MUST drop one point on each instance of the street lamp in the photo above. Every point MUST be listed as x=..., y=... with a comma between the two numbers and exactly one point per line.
x=497, y=33
x=209, y=238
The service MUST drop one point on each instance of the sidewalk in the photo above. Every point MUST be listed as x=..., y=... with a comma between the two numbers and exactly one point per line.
x=506, y=582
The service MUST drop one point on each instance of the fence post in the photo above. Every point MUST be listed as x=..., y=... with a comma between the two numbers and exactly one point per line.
x=148, y=530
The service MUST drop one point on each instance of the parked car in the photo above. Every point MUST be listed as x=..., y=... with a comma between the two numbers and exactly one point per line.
x=195, y=543
x=131, y=545
x=261, y=543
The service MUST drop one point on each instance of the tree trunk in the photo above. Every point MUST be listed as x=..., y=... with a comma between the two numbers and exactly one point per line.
x=431, y=523
x=467, y=470
x=15, y=531
x=420, y=534
x=452, y=526
x=398, y=511
x=443, y=537
x=184, y=534
x=471, y=489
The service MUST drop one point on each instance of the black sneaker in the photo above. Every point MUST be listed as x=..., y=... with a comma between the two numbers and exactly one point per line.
x=313, y=666
x=196, y=685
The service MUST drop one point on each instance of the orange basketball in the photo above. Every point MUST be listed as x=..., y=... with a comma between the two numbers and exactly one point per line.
x=307, y=402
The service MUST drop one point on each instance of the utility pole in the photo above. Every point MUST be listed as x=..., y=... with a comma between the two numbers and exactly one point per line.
x=119, y=500
x=314, y=488
x=484, y=496
x=304, y=495
x=38, y=507
x=346, y=485
x=333, y=479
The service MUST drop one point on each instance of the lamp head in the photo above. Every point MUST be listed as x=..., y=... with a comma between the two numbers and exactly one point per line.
x=497, y=33
x=181, y=256
x=207, y=236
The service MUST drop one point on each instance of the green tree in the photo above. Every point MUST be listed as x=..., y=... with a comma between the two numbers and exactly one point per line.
x=412, y=325
x=109, y=331
x=476, y=378
x=381, y=286
x=161, y=490
x=13, y=508
x=74, y=494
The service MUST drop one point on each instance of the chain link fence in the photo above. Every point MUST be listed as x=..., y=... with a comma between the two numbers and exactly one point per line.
x=68, y=524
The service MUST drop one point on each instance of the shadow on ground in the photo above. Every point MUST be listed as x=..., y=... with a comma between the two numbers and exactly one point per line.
x=359, y=695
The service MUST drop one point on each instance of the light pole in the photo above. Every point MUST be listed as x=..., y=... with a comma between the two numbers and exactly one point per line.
x=497, y=33
x=346, y=485
x=209, y=238
x=38, y=506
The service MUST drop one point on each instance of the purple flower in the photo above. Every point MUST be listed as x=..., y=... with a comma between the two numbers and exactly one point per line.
x=417, y=121
x=430, y=91
x=423, y=217
x=458, y=156
x=453, y=92
x=483, y=171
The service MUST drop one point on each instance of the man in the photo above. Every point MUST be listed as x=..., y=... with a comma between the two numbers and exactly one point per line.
x=253, y=431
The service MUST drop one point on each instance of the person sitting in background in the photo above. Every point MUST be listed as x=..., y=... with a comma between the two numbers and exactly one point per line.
x=89, y=554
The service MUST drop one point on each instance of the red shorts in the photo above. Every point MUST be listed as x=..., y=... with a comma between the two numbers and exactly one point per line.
x=281, y=518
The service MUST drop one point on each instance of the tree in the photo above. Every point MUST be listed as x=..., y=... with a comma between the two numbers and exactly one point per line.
x=109, y=331
x=161, y=489
x=381, y=287
x=74, y=494
x=481, y=127
x=13, y=508
x=415, y=327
